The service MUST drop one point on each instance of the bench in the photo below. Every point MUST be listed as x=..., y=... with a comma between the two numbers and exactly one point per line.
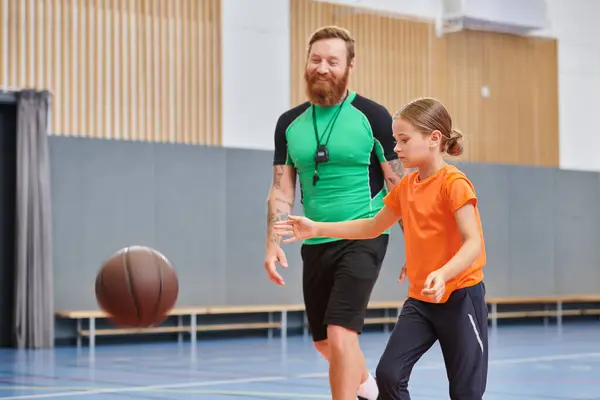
x=557, y=310
x=553, y=307
x=192, y=312
x=556, y=303
x=193, y=327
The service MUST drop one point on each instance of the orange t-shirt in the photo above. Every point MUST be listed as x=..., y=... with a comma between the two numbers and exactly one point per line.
x=431, y=233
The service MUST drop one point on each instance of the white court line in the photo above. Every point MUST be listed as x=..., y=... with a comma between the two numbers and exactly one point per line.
x=508, y=361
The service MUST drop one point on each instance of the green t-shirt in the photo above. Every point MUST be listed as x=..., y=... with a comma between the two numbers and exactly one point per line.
x=358, y=137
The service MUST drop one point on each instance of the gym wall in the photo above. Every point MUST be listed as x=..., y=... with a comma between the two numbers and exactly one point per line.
x=205, y=209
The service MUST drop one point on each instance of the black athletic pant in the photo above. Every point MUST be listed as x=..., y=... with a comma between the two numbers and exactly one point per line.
x=460, y=325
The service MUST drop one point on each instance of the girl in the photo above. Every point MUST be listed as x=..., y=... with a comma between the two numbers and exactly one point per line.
x=445, y=254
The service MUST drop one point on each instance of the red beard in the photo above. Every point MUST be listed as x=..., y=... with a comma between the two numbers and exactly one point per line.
x=326, y=92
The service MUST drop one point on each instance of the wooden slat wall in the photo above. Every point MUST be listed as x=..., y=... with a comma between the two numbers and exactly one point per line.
x=518, y=122
x=399, y=60
x=146, y=70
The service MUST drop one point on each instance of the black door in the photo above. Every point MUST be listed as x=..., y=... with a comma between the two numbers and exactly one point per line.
x=8, y=177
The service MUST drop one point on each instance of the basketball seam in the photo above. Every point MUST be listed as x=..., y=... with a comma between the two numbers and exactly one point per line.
x=130, y=284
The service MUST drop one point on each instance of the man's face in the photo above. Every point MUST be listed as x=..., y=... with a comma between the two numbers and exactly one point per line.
x=327, y=72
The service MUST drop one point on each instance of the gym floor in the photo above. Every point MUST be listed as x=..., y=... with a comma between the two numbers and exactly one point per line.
x=526, y=363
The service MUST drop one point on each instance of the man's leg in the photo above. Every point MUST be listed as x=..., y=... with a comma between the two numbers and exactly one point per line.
x=412, y=336
x=317, y=280
x=357, y=266
x=322, y=347
x=368, y=389
x=462, y=328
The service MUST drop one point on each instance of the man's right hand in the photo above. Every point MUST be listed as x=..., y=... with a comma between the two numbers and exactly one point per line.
x=275, y=255
x=279, y=204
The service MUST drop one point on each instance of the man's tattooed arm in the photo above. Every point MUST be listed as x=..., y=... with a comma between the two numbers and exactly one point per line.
x=281, y=199
x=278, y=209
x=393, y=172
x=394, y=176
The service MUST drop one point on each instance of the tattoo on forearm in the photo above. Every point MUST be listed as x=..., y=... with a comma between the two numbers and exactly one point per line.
x=284, y=201
x=279, y=204
x=278, y=209
x=277, y=175
x=278, y=215
x=393, y=180
x=397, y=167
x=398, y=170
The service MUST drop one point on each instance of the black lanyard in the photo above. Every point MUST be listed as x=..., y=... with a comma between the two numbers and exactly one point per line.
x=322, y=154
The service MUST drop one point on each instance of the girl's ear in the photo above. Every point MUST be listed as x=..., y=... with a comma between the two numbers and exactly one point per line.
x=435, y=138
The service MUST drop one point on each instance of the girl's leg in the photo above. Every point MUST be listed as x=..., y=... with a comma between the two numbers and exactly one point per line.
x=412, y=336
x=461, y=324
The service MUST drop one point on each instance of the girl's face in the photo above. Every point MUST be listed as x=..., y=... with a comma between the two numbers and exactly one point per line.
x=414, y=148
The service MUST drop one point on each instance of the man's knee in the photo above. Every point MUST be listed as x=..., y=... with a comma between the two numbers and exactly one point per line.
x=340, y=339
x=322, y=347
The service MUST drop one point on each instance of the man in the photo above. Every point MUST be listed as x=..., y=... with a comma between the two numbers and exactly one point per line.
x=341, y=146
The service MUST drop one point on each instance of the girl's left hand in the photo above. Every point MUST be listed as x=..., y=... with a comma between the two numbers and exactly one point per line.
x=435, y=286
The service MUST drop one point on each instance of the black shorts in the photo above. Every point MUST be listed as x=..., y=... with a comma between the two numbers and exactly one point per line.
x=338, y=278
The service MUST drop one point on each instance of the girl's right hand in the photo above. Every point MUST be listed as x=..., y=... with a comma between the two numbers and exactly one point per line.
x=298, y=228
